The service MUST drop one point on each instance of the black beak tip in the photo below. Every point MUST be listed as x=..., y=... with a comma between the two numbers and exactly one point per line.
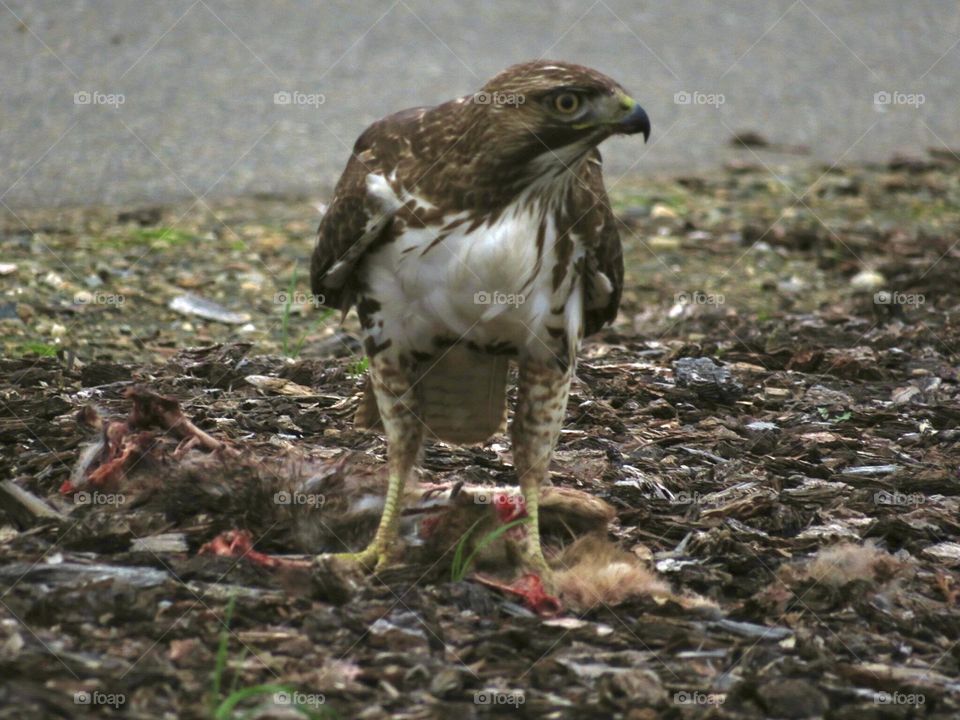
x=638, y=122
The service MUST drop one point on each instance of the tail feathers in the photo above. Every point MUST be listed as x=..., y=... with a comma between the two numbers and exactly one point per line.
x=461, y=397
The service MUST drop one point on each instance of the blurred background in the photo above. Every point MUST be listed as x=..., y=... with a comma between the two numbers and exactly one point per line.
x=115, y=102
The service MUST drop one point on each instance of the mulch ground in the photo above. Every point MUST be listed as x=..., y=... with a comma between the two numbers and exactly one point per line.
x=774, y=418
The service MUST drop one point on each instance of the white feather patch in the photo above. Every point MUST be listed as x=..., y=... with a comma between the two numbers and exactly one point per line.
x=484, y=286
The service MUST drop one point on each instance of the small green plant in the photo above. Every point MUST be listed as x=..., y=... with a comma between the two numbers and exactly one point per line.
x=461, y=566
x=38, y=348
x=825, y=414
x=358, y=368
x=226, y=708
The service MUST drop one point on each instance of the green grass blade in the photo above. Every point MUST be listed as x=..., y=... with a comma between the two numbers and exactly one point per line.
x=224, y=711
x=236, y=675
x=457, y=570
x=490, y=537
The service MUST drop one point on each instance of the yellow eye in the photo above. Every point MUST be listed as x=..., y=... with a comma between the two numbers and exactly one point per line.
x=566, y=103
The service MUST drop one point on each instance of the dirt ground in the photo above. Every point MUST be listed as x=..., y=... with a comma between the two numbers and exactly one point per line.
x=773, y=417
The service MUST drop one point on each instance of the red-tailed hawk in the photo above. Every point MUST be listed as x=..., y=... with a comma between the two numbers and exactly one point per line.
x=469, y=235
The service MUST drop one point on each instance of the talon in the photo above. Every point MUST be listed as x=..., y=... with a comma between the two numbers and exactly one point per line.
x=371, y=559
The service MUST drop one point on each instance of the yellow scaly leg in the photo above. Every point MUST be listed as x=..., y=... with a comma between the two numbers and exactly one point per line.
x=541, y=404
x=397, y=405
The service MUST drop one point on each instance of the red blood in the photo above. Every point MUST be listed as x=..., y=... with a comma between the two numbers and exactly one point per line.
x=238, y=544
x=528, y=588
x=428, y=526
x=509, y=507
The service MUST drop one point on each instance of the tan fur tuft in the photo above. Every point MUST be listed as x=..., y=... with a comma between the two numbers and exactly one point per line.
x=593, y=571
x=844, y=563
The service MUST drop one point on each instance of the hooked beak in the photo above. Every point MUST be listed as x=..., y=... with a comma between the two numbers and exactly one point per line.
x=635, y=121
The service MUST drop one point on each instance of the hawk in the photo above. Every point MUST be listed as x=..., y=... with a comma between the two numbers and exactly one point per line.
x=470, y=235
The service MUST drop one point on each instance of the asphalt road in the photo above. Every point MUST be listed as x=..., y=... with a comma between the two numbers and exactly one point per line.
x=114, y=101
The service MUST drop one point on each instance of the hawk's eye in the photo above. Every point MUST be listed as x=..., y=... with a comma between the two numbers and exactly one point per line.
x=566, y=103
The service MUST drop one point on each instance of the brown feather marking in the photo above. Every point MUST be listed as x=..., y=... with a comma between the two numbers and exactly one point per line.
x=372, y=348
x=367, y=307
x=564, y=251
x=463, y=155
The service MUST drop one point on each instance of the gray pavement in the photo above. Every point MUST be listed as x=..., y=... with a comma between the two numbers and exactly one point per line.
x=115, y=101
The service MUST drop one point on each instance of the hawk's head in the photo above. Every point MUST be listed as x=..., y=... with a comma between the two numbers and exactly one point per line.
x=555, y=111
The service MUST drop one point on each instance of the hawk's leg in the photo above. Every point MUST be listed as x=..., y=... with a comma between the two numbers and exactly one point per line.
x=541, y=404
x=393, y=385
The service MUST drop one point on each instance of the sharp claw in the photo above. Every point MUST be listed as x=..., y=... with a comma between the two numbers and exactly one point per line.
x=369, y=560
